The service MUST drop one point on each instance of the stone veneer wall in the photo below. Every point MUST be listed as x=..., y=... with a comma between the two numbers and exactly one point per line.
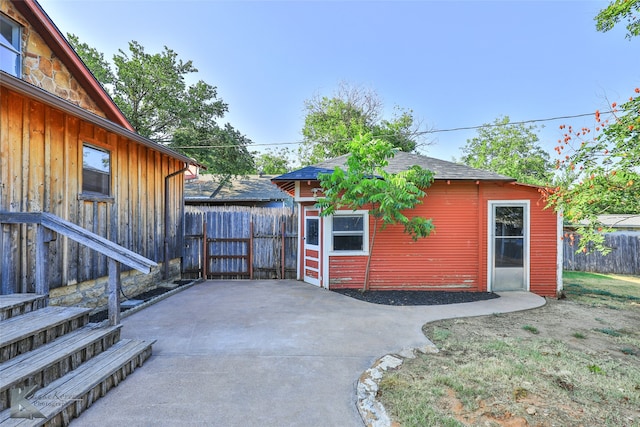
x=95, y=293
x=43, y=69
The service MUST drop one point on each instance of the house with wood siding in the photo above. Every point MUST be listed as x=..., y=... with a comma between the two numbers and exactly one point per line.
x=67, y=150
x=492, y=234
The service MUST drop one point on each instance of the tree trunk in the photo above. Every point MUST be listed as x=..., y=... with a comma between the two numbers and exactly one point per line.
x=373, y=239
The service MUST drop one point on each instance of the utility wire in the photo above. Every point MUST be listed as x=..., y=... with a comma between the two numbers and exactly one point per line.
x=425, y=132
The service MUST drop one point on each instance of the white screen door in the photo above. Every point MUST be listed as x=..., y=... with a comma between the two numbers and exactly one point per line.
x=311, y=249
x=509, y=246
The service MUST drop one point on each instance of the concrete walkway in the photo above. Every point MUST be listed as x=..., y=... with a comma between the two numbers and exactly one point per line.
x=265, y=353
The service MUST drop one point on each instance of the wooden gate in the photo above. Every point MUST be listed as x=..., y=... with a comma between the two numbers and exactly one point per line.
x=230, y=242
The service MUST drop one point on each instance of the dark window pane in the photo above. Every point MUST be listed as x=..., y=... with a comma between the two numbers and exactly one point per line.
x=311, y=231
x=509, y=221
x=96, y=171
x=347, y=223
x=509, y=252
x=95, y=182
x=347, y=243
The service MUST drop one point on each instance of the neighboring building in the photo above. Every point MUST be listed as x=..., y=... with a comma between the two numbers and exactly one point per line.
x=491, y=234
x=247, y=190
x=66, y=149
x=618, y=222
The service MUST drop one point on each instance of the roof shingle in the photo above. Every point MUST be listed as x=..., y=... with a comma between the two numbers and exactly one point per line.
x=402, y=161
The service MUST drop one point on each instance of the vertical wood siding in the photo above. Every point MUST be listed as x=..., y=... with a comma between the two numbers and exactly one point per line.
x=41, y=171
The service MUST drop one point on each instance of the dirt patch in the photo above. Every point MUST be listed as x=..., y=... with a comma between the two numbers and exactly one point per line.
x=565, y=364
x=586, y=329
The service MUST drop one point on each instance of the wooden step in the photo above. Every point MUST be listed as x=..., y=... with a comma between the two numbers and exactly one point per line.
x=16, y=304
x=51, y=361
x=65, y=398
x=21, y=334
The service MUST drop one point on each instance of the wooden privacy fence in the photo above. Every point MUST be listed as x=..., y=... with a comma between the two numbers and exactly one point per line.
x=232, y=242
x=623, y=259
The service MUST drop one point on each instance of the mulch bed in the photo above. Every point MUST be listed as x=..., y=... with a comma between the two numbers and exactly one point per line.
x=145, y=296
x=416, y=297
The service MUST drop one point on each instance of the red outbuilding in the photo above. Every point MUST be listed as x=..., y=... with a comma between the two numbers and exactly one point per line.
x=492, y=234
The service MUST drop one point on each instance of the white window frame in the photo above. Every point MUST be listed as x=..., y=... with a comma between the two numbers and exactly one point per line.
x=17, y=50
x=365, y=233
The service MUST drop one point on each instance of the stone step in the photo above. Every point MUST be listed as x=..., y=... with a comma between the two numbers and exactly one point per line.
x=26, y=332
x=16, y=304
x=51, y=361
x=65, y=398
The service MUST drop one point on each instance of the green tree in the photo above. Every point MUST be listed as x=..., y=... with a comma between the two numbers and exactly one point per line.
x=601, y=173
x=331, y=123
x=617, y=11
x=152, y=92
x=600, y=165
x=273, y=162
x=509, y=149
x=94, y=60
x=365, y=184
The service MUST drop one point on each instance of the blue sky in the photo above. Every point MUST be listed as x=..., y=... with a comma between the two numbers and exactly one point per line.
x=455, y=64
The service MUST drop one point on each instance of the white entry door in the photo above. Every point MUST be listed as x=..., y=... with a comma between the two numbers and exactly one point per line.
x=509, y=246
x=311, y=246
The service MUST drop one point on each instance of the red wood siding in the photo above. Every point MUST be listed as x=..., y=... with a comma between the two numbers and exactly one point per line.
x=455, y=256
x=448, y=259
x=543, y=235
x=306, y=187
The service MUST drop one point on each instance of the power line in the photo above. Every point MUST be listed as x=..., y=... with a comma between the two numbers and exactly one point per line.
x=425, y=132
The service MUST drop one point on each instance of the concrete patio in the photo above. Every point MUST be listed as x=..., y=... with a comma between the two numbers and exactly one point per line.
x=265, y=353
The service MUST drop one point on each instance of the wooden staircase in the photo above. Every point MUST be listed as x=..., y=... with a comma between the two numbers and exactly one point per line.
x=54, y=363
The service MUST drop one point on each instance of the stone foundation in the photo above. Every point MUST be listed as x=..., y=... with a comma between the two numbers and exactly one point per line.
x=95, y=293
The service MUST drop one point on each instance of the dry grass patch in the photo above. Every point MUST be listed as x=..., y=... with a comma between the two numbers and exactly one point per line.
x=495, y=371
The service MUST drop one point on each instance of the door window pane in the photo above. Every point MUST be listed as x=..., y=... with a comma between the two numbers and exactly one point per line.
x=509, y=221
x=311, y=231
x=509, y=252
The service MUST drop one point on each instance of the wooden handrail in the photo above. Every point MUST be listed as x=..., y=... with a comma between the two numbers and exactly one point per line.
x=82, y=236
x=115, y=253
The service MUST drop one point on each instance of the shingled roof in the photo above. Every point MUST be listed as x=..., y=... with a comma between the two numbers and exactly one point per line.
x=402, y=161
x=249, y=188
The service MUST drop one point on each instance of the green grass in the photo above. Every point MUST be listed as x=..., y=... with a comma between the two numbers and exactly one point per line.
x=602, y=290
x=485, y=374
x=609, y=331
x=477, y=382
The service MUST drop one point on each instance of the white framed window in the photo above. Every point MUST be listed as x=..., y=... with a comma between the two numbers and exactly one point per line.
x=10, y=47
x=96, y=171
x=349, y=233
